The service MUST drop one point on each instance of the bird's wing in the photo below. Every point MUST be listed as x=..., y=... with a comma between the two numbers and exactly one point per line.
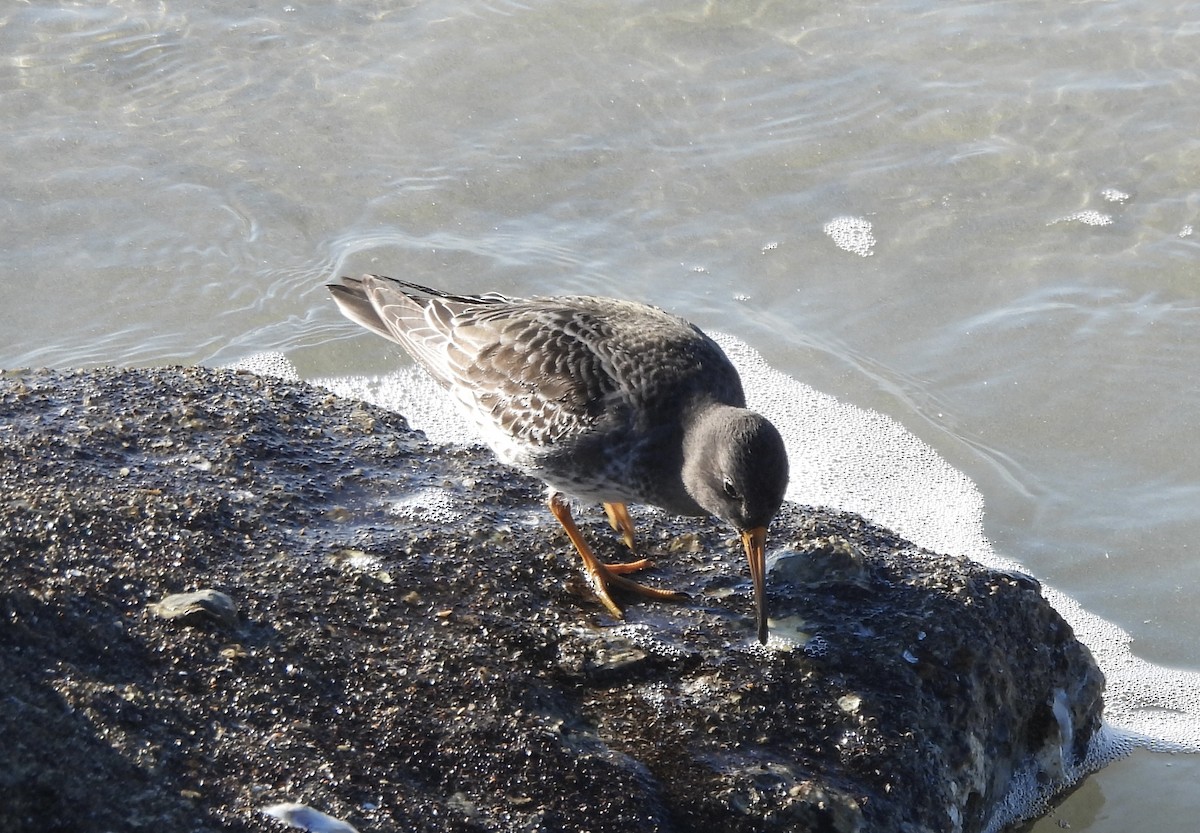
x=529, y=367
x=543, y=368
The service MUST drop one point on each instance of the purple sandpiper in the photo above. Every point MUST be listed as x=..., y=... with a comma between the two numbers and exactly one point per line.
x=602, y=399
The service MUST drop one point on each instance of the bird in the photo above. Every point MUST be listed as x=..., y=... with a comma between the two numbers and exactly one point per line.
x=602, y=399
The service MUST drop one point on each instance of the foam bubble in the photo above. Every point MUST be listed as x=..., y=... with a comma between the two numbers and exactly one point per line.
x=1087, y=218
x=438, y=505
x=270, y=363
x=412, y=392
x=851, y=234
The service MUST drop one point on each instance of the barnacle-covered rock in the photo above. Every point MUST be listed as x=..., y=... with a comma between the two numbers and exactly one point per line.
x=415, y=651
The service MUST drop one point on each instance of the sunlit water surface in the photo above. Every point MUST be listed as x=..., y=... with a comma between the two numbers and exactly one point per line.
x=976, y=219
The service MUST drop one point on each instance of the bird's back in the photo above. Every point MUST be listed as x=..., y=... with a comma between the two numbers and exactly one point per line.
x=545, y=378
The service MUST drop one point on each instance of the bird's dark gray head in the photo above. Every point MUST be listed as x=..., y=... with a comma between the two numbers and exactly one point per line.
x=735, y=466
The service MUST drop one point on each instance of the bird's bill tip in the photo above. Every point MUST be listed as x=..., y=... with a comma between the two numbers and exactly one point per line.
x=755, y=543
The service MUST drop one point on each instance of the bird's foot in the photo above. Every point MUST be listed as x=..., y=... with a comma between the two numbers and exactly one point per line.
x=606, y=577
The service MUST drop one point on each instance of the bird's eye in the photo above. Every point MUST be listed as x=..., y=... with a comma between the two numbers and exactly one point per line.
x=730, y=490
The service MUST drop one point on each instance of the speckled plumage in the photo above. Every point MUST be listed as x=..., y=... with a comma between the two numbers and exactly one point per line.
x=603, y=399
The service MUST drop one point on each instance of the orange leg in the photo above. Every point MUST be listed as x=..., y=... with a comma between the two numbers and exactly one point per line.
x=618, y=519
x=604, y=576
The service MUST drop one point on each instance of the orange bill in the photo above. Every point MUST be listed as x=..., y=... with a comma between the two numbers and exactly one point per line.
x=755, y=543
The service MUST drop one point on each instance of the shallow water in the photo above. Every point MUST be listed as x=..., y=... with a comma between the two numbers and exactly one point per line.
x=179, y=180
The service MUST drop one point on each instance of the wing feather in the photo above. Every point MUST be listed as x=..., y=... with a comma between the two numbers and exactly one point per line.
x=539, y=370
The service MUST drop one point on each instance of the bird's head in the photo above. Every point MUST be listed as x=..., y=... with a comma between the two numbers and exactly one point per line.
x=736, y=468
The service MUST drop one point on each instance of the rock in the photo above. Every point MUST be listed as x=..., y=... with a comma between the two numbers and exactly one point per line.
x=197, y=607
x=416, y=650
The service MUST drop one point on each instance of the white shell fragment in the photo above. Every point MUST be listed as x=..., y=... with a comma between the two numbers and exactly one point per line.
x=306, y=818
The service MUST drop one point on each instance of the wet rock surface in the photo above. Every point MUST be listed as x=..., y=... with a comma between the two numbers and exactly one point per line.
x=413, y=648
